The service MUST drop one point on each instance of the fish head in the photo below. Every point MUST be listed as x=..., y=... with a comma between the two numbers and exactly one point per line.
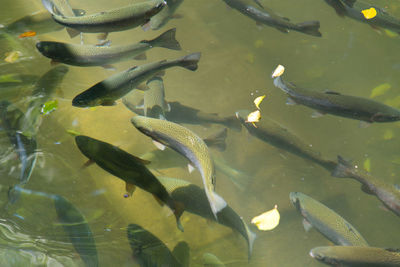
x=90, y=147
x=143, y=124
x=294, y=199
x=53, y=50
x=86, y=99
x=321, y=254
x=388, y=117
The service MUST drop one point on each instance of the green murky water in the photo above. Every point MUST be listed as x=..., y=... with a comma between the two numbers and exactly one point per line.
x=237, y=59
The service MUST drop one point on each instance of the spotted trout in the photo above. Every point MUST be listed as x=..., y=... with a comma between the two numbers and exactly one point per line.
x=356, y=256
x=276, y=135
x=129, y=168
x=188, y=144
x=106, y=92
x=326, y=221
x=334, y=103
x=268, y=17
x=89, y=55
x=387, y=193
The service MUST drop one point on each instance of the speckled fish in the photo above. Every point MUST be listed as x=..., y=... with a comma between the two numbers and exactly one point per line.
x=12, y=121
x=129, y=168
x=106, y=92
x=326, y=221
x=43, y=90
x=387, y=193
x=195, y=200
x=276, y=135
x=180, y=113
x=88, y=55
x=268, y=17
x=334, y=103
x=353, y=9
x=188, y=144
x=114, y=20
x=148, y=250
x=78, y=230
x=160, y=19
x=154, y=103
x=357, y=256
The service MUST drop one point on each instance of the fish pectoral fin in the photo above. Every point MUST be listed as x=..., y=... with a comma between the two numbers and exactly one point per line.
x=130, y=188
x=366, y=189
x=190, y=168
x=330, y=92
x=159, y=145
x=102, y=36
x=72, y=32
x=108, y=103
x=290, y=101
x=142, y=87
x=141, y=56
x=307, y=225
x=317, y=114
x=87, y=163
x=146, y=26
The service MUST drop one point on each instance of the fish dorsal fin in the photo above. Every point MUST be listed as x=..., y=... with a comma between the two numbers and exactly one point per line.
x=349, y=3
x=331, y=92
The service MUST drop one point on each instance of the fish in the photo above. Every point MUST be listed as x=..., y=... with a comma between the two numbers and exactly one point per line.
x=326, y=221
x=115, y=20
x=149, y=250
x=78, y=230
x=268, y=17
x=43, y=90
x=387, y=193
x=88, y=55
x=334, y=103
x=277, y=135
x=154, y=103
x=353, y=9
x=196, y=202
x=180, y=113
x=12, y=122
x=130, y=169
x=162, y=18
x=188, y=144
x=106, y=92
x=356, y=256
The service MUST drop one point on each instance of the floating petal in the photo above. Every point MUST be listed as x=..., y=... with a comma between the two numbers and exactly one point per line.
x=49, y=107
x=12, y=57
x=369, y=13
x=258, y=101
x=27, y=34
x=254, y=116
x=367, y=164
x=278, y=71
x=380, y=90
x=268, y=220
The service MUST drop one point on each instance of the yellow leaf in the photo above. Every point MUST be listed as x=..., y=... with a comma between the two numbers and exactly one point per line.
x=388, y=135
x=267, y=220
x=369, y=13
x=13, y=56
x=367, y=164
x=278, y=71
x=390, y=33
x=380, y=90
x=258, y=101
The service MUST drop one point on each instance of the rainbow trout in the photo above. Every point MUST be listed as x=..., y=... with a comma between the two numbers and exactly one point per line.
x=334, y=103
x=326, y=221
x=188, y=144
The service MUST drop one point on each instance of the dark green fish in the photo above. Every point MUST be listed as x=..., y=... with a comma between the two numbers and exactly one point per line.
x=106, y=92
x=115, y=20
x=387, y=193
x=340, y=105
x=195, y=200
x=353, y=8
x=89, y=55
x=78, y=230
x=189, y=145
x=129, y=168
x=182, y=114
x=154, y=103
x=357, y=256
x=269, y=18
x=160, y=19
x=326, y=221
x=276, y=135
x=148, y=250
x=43, y=90
x=12, y=123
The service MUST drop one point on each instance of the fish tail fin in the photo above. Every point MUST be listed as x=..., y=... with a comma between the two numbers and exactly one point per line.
x=217, y=204
x=233, y=123
x=166, y=40
x=217, y=141
x=310, y=27
x=190, y=61
x=342, y=168
x=250, y=240
x=178, y=210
